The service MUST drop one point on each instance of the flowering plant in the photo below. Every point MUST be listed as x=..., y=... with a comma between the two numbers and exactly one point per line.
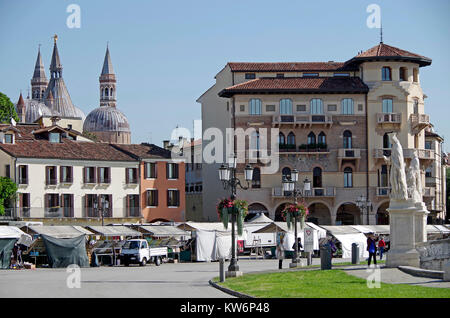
x=226, y=207
x=292, y=211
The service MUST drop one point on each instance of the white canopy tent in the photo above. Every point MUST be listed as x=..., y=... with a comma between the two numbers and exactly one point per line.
x=14, y=232
x=348, y=235
x=213, y=241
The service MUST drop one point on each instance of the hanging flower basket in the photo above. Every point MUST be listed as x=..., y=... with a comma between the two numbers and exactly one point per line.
x=226, y=207
x=291, y=211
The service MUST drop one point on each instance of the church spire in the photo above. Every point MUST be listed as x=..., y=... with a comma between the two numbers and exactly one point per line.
x=107, y=82
x=39, y=81
x=55, y=66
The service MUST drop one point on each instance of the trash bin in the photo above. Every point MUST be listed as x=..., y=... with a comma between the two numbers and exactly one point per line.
x=355, y=253
x=325, y=257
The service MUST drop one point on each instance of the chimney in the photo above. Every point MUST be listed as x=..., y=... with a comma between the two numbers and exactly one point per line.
x=166, y=144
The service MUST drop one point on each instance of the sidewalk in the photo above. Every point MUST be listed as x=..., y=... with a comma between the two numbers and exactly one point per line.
x=395, y=276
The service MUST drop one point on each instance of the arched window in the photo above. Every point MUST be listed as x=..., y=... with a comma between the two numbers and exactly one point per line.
x=347, y=139
x=286, y=172
x=348, y=177
x=322, y=138
x=403, y=74
x=316, y=106
x=281, y=139
x=106, y=92
x=386, y=74
x=286, y=106
x=291, y=139
x=111, y=92
x=255, y=106
x=347, y=106
x=311, y=138
x=388, y=106
x=317, y=177
x=416, y=106
x=256, y=181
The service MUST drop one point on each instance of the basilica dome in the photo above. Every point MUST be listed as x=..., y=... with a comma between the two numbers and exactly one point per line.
x=35, y=109
x=106, y=119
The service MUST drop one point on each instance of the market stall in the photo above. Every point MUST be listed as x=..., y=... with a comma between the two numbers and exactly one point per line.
x=347, y=235
x=9, y=236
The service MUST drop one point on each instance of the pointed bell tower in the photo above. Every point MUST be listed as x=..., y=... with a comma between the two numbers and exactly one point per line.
x=39, y=81
x=107, y=82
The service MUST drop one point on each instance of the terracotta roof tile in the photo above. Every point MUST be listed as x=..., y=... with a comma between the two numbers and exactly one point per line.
x=298, y=85
x=287, y=66
x=144, y=151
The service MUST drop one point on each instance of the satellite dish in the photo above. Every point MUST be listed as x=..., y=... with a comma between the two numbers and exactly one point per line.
x=13, y=122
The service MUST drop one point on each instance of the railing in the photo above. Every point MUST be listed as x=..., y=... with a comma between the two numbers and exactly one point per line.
x=132, y=181
x=407, y=153
x=69, y=212
x=133, y=212
x=67, y=181
x=389, y=118
x=51, y=181
x=23, y=181
x=349, y=153
x=383, y=191
x=302, y=119
x=314, y=192
x=58, y=212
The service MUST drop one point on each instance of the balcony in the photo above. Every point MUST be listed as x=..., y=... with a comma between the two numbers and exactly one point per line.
x=349, y=154
x=51, y=181
x=429, y=192
x=419, y=122
x=302, y=120
x=389, y=118
x=423, y=154
x=315, y=192
x=58, y=212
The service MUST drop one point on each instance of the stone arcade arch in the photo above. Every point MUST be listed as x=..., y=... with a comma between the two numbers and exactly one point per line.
x=382, y=214
x=348, y=214
x=319, y=213
x=256, y=208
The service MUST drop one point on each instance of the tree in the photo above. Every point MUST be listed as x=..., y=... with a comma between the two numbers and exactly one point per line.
x=8, y=191
x=7, y=109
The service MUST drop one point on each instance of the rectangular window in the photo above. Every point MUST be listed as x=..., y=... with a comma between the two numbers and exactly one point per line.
x=133, y=209
x=242, y=108
x=332, y=108
x=23, y=174
x=388, y=106
x=54, y=137
x=270, y=108
x=250, y=75
x=347, y=106
x=255, y=106
x=67, y=204
x=280, y=75
x=105, y=205
x=360, y=107
x=152, y=198
x=150, y=170
x=341, y=74
x=51, y=177
x=66, y=174
x=52, y=202
x=173, y=198
x=428, y=145
x=8, y=171
x=89, y=175
x=131, y=176
x=301, y=108
x=172, y=171
x=428, y=172
x=9, y=138
x=91, y=205
x=24, y=205
x=104, y=175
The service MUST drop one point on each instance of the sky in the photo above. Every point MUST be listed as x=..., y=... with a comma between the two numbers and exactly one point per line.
x=166, y=53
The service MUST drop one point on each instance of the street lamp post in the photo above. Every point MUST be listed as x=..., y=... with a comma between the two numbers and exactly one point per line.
x=227, y=174
x=290, y=186
x=363, y=204
x=102, y=208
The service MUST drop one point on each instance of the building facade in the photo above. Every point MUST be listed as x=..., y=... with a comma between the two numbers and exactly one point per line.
x=333, y=120
x=62, y=180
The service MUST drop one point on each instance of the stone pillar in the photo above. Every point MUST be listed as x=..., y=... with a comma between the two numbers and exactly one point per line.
x=421, y=222
x=402, y=215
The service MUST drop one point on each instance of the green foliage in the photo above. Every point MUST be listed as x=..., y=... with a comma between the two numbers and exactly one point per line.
x=7, y=109
x=89, y=135
x=8, y=191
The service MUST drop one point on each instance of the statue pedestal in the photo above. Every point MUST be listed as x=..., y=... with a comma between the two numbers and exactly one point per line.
x=402, y=216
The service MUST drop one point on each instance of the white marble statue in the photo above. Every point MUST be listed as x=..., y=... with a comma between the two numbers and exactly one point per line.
x=414, y=179
x=399, y=189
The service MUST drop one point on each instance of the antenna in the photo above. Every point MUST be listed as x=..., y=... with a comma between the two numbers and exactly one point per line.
x=381, y=32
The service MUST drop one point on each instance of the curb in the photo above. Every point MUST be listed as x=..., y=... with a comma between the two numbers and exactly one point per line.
x=229, y=291
x=419, y=272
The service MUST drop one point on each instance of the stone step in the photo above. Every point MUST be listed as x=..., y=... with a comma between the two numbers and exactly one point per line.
x=420, y=272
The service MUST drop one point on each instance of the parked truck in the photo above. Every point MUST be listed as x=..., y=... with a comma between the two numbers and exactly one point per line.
x=137, y=251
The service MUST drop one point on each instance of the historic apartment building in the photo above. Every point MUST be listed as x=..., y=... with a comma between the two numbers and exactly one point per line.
x=63, y=178
x=333, y=119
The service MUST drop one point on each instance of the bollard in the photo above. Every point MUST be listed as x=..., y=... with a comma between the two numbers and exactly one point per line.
x=280, y=264
x=222, y=269
x=355, y=253
x=308, y=258
x=325, y=257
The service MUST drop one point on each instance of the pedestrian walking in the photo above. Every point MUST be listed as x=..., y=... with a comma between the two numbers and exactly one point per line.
x=372, y=249
x=381, y=246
